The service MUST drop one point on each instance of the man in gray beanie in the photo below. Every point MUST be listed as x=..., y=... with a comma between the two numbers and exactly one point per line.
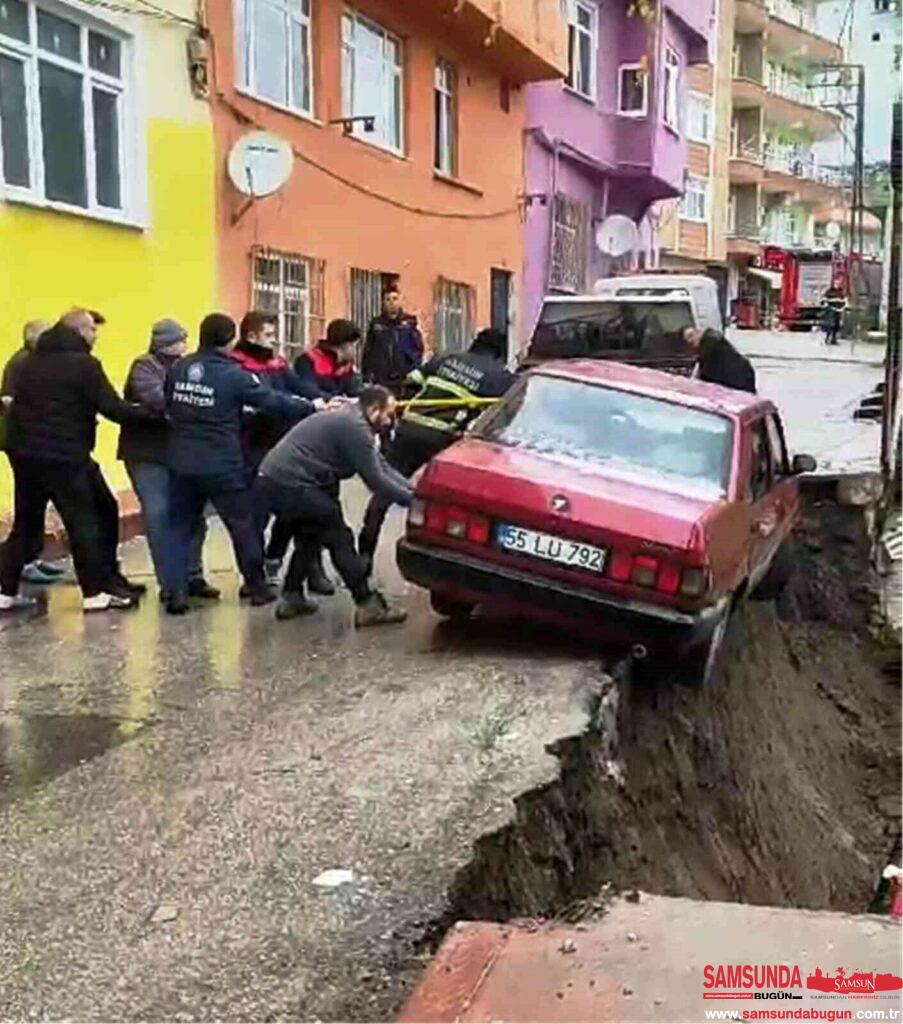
x=143, y=450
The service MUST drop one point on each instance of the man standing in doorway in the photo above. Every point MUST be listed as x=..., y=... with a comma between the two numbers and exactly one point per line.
x=394, y=345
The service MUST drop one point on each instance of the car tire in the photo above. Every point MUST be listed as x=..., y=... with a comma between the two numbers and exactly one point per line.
x=448, y=608
x=698, y=665
x=779, y=574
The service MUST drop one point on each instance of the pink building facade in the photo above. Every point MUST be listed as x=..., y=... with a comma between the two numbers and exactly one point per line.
x=609, y=139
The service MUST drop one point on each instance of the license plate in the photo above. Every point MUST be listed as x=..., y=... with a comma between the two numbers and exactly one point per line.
x=551, y=548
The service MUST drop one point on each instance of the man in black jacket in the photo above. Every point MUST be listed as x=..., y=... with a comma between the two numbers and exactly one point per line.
x=424, y=432
x=394, y=345
x=718, y=362
x=52, y=424
x=206, y=394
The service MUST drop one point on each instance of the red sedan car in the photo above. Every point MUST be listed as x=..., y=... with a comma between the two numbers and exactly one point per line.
x=634, y=503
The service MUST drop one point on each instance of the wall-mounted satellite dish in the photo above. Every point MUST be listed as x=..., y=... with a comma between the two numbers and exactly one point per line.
x=833, y=230
x=617, y=235
x=260, y=163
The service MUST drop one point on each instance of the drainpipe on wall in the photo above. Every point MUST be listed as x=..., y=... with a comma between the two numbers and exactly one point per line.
x=556, y=149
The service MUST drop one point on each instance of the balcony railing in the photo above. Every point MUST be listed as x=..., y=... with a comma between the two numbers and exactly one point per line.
x=800, y=165
x=786, y=10
x=744, y=227
x=745, y=149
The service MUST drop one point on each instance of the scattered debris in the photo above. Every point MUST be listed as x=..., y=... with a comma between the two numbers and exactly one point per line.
x=631, y=936
x=568, y=946
x=332, y=878
x=163, y=913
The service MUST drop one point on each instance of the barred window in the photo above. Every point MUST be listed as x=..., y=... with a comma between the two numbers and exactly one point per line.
x=366, y=295
x=291, y=287
x=568, y=270
x=453, y=316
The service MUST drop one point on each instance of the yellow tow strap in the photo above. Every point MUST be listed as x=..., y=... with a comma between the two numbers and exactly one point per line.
x=446, y=403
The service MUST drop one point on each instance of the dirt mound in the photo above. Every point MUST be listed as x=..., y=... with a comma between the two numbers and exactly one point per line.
x=779, y=784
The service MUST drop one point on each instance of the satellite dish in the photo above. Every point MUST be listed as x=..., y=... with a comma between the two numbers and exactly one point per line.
x=260, y=163
x=833, y=230
x=617, y=235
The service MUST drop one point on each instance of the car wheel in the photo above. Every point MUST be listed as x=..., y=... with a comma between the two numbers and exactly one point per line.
x=782, y=568
x=448, y=608
x=698, y=665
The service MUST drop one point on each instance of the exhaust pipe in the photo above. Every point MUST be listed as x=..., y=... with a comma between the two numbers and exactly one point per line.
x=638, y=652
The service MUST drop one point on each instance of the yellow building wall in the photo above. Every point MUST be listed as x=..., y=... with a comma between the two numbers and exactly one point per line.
x=51, y=261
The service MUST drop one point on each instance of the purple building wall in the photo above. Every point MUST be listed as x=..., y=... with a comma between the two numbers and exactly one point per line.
x=584, y=150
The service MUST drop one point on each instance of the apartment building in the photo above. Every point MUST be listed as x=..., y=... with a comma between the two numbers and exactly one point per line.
x=610, y=138
x=100, y=115
x=765, y=181
x=405, y=122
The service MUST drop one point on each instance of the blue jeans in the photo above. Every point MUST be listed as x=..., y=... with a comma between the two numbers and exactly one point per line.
x=151, y=483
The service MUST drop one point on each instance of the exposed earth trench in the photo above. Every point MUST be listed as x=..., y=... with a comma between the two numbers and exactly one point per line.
x=778, y=784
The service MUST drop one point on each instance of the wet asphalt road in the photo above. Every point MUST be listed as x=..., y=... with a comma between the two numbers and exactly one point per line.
x=170, y=788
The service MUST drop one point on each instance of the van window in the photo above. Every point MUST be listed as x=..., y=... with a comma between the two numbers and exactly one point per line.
x=610, y=327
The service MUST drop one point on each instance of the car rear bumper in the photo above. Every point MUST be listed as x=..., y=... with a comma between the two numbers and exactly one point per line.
x=468, y=579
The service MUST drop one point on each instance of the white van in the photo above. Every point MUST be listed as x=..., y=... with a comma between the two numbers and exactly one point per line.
x=701, y=290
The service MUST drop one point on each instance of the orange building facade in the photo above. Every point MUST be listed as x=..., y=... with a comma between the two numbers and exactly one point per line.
x=424, y=186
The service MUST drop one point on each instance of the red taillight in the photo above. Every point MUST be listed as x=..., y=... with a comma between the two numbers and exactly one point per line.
x=645, y=569
x=620, y=566
x=478, y=530
x=436, y=518
x=668, y=578
x=457, y=522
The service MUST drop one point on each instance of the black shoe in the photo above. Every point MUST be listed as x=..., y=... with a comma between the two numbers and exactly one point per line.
x=259, y=596
x=292, y=605
x=318, y=582
x=177, y=604
x=120, y=581
x=201, y=588
x=121, y=589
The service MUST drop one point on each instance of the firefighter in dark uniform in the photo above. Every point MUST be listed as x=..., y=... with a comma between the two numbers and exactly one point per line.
x=205, y=395
x=424, y=432
x=833, y=304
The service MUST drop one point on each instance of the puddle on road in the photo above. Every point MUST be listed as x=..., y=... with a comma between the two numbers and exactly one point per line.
x=37, y=748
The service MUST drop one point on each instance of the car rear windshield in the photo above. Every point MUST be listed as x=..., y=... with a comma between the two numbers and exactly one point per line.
x=632, y=437
x=611, y=327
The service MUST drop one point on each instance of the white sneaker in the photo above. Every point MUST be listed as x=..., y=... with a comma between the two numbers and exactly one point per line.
x=16, y=603
x=106, y=602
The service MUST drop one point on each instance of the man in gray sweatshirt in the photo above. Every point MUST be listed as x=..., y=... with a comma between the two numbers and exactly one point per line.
x=299, y=483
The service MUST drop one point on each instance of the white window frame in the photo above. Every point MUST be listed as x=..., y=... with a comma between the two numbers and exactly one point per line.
x=295, y=13
x=641, y=111
x=672, y=66
x=575, y=32
x=30, y=55
x=445, y=129
x=706, y=101
x=699, y=216
x=391, y=88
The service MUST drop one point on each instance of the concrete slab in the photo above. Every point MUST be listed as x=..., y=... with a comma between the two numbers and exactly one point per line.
x=657, y=960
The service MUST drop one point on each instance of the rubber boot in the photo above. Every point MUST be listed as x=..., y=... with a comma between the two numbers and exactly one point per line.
x=293, y=604
x=375, y=610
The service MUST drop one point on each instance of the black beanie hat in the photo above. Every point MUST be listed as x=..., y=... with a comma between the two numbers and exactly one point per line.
x=340, y=332
x=217, y=330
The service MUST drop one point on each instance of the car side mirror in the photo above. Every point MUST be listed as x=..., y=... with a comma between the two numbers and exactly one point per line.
x=803, y=464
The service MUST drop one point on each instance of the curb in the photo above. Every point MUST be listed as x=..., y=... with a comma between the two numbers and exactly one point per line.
x=56, y=543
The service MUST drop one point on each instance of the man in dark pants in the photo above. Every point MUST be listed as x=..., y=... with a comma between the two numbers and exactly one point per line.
x=394, y=345
x=52, y=423
x=299, y=482
x=423, y=433
x=205, y=395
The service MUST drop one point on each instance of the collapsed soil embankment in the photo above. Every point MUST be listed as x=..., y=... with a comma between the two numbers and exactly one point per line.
x=779, y=784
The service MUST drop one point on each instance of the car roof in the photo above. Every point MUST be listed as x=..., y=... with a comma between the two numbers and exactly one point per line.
x=679, y=294
x=662, y=281
x=639, y=380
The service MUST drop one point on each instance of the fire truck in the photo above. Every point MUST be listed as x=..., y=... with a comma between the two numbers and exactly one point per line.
x=806, y=275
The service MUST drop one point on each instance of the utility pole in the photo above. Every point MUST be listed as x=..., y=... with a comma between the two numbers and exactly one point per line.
x=890, y=418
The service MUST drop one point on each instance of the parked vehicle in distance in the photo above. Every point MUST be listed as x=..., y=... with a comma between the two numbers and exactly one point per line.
x=630, y=503
x=637, y=319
